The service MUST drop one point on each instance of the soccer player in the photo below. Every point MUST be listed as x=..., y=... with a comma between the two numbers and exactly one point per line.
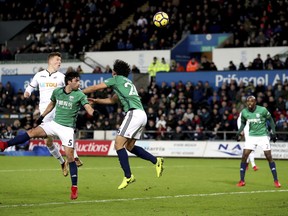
x=251, y=157
x=134, y=122
x=67, y=102
x=257, y=116
x=46, y=81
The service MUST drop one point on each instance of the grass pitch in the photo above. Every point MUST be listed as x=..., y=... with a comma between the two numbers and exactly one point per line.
x=189, y=186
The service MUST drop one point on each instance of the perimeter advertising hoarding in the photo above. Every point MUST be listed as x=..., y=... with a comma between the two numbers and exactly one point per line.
x=206, y=149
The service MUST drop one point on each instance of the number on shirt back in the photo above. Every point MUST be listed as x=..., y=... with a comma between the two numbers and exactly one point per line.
x=133, y=90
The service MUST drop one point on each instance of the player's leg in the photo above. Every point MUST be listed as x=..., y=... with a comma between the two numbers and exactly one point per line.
x=272, y=166
x=243, y=165
x=55, y=152
x=265, y=145
x=67, y=138
x=37, y=132
x=134, y=128
x=120, y=142
x=142, y=153
x=76, y=157
x=252, y=160
x=73, y=171
x=247, y=163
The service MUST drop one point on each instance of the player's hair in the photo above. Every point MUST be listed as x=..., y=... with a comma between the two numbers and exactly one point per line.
x=121, y=68
x=52, y=54
x=70, y=76
x=250, y=96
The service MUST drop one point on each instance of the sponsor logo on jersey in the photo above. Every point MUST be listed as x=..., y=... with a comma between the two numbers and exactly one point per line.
x=48, y=85
x=254, y=120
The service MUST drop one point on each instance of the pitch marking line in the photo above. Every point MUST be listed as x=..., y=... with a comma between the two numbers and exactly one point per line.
x=140, y=198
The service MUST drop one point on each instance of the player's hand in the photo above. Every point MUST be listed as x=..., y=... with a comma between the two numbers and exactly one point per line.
x=273, y=137
x=238, y=137
x=26, y=94
x=39, y=120
x=96, y=114
x=92, y=100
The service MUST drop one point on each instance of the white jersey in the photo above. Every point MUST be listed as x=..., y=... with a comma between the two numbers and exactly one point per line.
x=246, y=128
x=46, y=83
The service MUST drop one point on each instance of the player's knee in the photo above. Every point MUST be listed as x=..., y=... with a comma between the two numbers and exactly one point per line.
x=49, y=141
x=69, y=154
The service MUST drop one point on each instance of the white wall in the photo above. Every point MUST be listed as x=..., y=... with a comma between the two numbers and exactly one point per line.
x=141, y=59
x=222, y=56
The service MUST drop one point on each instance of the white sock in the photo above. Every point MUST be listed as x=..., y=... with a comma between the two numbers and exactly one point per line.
x=56, y=153
x=251, y=158
x=75, y=150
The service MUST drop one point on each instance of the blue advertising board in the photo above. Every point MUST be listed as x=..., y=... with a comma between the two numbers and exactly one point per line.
x=217, y=78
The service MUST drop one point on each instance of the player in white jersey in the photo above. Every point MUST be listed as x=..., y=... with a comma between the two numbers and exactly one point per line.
x=46, y=81
x=251, y=157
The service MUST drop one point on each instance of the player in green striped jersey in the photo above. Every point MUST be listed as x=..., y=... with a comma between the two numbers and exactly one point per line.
x=134, y=122
x=257, y=118
x=67, y=102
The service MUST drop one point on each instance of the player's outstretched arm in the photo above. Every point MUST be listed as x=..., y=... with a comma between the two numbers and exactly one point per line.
x=94, y=88
x=111, y=100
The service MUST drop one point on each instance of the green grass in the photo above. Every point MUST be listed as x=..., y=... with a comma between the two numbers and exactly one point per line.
x=35, y=186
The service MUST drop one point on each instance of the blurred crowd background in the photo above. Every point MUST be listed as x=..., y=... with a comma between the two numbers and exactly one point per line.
x=190, y=111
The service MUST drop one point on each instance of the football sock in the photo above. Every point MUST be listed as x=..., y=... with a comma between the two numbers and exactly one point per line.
x=124, y=162
x=75, y=150
x=242, y=171
x=251, y=157
x=56, y=153
x=19, y=139
x=273, y=170
x=73, y=173
x=140, y=152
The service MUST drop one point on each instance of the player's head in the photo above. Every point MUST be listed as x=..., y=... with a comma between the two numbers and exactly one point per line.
x=251, y=102
x=74, y=78
x=54, y=61
x=121, y=68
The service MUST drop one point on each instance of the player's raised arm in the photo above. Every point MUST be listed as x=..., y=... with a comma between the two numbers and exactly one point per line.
x=94, y=88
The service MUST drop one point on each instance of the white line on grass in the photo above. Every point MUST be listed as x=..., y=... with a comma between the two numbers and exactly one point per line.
x=140, y=198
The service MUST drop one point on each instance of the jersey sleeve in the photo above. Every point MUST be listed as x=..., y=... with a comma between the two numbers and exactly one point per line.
x=110, y=82
x=83, y=99
x=53, y=96
x=267, y=114
x=33, y=84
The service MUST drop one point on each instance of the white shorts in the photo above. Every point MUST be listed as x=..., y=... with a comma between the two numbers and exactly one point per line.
x=133, y=124
x=65, y=134
x=251, y=142
x=50, y=116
